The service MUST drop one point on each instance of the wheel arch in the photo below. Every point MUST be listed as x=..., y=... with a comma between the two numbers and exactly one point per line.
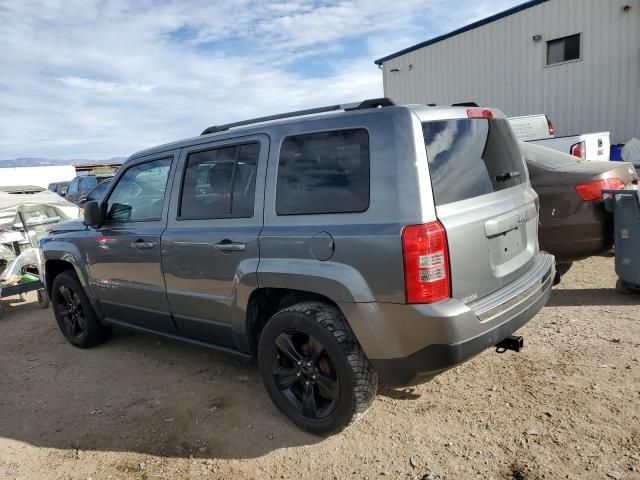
x=267, y=301
x=62, y=256
x=53, y=268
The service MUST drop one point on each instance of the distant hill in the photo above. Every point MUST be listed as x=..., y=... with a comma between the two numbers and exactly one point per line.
x=39, y=162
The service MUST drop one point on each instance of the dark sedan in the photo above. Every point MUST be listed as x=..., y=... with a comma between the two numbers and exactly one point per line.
x=573, y=221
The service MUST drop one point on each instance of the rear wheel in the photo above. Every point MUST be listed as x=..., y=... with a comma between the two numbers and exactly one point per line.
x=314, y=368
x=621, y=287
x=76, y=318
x=561, y=269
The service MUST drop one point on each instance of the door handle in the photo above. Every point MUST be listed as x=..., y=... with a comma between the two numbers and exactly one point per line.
x=229, y=246
x=142, y=245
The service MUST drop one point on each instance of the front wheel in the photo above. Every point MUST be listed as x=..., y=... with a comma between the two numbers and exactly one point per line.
x=76, y=318
x=314, y=368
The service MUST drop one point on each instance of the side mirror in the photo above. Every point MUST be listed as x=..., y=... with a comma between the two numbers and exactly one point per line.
x=92, y=214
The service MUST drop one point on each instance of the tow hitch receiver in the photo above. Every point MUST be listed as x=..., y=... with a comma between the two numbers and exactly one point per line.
x=512, y=342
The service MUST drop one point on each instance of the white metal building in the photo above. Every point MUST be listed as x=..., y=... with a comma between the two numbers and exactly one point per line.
x=576, y=60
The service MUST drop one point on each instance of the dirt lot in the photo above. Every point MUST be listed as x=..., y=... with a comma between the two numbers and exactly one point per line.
x=568, y=406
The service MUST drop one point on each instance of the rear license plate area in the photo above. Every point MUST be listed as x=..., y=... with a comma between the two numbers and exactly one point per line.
x=508, y=245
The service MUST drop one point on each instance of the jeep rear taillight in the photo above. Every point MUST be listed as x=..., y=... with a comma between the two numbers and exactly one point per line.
x=592, y=191
x=427, y=277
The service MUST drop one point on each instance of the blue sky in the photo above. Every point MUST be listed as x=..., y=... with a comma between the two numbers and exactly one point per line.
x=99, y=78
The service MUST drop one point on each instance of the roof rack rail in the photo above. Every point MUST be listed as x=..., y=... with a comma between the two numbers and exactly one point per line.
x=371, y=103
x=465, y=104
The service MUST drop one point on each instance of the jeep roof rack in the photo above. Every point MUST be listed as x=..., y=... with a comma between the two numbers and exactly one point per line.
x=371, y=103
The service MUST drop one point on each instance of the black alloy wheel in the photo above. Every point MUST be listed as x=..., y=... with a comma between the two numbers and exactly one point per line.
x=69, y=309
x=314, y=369
x=304, y=373
x=76, y=317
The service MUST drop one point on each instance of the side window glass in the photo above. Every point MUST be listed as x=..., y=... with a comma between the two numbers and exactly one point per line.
x=96, y=193
x=220, y=183
x=324, y=172
x=139, y=193
x=86, y=184
x=73, y=187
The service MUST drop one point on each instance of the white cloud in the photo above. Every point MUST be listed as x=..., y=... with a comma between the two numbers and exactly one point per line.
x=96, y=79
x=105, y=87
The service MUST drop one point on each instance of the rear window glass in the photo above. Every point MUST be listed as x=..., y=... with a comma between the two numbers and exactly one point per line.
x=469, y=158
x=324, y=172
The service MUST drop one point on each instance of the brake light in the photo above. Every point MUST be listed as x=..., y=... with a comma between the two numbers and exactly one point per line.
x=479, y=113
x=592, y=191
x=426, y=263
x=552, y=131
x=578, y=150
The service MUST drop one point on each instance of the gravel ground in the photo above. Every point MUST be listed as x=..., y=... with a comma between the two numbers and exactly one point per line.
x=568, y=406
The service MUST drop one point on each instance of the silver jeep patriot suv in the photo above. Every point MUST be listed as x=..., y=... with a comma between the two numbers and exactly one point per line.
x=337, y=246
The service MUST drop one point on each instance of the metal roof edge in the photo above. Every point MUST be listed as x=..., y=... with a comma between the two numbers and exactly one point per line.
x=466, y=28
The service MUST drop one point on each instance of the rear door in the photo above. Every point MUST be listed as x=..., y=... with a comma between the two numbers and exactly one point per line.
x=484, y=201
x=210, y=249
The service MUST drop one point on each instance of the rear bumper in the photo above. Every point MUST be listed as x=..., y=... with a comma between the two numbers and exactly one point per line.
x=436, y=337
x=585, y=233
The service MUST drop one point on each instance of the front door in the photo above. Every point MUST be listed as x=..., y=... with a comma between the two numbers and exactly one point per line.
x=210, y=248
x=124, y=253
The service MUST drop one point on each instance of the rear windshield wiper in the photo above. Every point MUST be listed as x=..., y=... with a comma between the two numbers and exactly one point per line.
x=503, y=177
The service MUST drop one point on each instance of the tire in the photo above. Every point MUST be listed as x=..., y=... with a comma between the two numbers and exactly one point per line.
x=43, y=299
x=314, y=368
x=621, y=287
x=76, y=318
x=561, y=269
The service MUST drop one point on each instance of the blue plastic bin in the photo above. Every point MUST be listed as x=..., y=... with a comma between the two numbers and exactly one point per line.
x=616, y=153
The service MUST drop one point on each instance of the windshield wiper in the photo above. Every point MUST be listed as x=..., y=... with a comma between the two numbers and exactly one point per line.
x=503, y=177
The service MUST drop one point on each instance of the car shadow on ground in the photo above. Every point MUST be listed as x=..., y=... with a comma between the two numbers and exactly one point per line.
x=134, y=393
x=565, y=297
x=407, y=393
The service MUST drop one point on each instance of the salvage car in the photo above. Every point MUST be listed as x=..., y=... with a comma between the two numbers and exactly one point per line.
x=574, y=223
x=539, y=130
x=80, y=187
x=59, y=187
x=26, y=213
x=337, y=246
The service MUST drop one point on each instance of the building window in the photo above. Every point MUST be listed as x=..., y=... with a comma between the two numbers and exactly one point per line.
x=563, y=49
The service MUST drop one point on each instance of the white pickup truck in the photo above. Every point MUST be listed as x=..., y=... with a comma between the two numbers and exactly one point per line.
x=538, y=129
